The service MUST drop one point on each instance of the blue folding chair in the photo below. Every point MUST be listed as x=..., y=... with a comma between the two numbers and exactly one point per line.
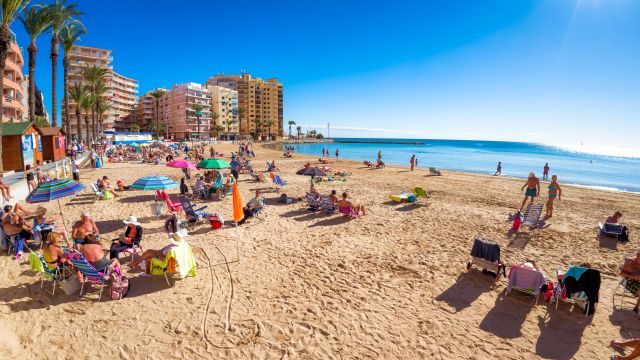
x=89, y=273
x=278, y=181
x=193, y=215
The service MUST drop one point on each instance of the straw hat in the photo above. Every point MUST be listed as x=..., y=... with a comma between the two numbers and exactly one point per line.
x=177, y=238
x=131, y=220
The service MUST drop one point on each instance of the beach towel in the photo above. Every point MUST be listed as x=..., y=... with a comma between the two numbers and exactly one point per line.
x=35, y=262
x=525, y=279
x=184, y=259
x=485, y=250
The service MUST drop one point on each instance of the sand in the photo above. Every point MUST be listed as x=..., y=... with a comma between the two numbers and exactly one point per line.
x=392, y=284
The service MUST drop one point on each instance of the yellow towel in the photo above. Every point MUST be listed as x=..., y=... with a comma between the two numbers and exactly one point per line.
x=184, y=257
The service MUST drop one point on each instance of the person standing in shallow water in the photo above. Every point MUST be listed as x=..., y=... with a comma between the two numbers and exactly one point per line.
x=337, y=153
x=498, y=169
x=413, y=161
x=545, y=172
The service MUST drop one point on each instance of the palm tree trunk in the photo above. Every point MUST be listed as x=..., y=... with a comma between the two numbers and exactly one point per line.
x=66, y=121
x=54, y=75
x=86, y=123
x=5, y=42
x=32, y=82
x=93, y=125
x=79, y=120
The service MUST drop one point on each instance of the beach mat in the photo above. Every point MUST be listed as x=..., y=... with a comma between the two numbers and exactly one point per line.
x=532, y=215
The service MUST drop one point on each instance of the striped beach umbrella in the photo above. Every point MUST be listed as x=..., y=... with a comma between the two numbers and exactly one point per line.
x=53, y=190
x=154, y=183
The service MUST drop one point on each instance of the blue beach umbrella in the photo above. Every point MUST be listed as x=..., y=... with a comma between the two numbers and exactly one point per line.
x=154, y=183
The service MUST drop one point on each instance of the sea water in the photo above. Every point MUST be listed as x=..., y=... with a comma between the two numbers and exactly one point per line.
x=518, y=159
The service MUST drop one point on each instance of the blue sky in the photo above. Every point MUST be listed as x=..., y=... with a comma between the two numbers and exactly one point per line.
x=558, y=71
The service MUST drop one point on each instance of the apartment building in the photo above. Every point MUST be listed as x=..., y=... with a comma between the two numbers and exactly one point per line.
x=13, y=110
x=260, y=103
x=224, y=103
x=121, y=95
x=146, y=112
x=182, y=122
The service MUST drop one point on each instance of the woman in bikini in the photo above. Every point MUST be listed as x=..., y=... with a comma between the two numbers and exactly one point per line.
x=53, y=254
x=554, y=191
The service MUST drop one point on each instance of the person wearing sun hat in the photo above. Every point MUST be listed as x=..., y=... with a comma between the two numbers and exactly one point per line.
x=132, y=236
x=176, y=240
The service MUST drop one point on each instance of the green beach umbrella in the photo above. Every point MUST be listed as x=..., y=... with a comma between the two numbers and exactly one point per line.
x=213, y=164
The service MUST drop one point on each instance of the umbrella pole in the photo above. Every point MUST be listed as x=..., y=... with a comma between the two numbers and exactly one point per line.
x=64, y=223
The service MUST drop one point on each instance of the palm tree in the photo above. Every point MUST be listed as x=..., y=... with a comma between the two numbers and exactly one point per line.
x=60, y=15
x=299, y=128
x=87, y=105
x=157, y=94
x=11, y=9
x=101, y=108
x=291, y=122
x=68, y=37
x=258, y=125
x=35, y=21
x=94, y=75
x=77, y=93
x=197, y=108
x=218, y=129
x=269, y=124
x=99, y=89
x=241, y=112
x=228, y=123
x=214, y=122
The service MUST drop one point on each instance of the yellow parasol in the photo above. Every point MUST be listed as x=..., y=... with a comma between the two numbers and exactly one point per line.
x=238, y=214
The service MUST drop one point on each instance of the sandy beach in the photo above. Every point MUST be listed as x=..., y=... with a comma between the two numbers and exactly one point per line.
x=391, y=284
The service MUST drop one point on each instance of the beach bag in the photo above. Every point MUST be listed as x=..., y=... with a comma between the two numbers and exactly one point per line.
x=517, y=221
x=119, y=286
x=70, y=285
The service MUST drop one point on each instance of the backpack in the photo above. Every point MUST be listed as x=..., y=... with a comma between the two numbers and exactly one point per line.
x=119, y=286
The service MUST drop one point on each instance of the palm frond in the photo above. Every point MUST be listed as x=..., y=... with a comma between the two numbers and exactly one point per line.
x=36, y=21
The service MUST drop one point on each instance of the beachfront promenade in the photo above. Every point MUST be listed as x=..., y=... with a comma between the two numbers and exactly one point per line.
x=391, y=284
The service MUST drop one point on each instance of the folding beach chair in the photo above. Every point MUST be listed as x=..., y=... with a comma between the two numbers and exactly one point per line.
x=313, y=202
x=486, y=255
x=532, y=214
x=612, y=230
x=89, y=273
x=579, y=297
x=193, y=215
x=434, y=172
x=326, y=206
x=269, y=167
x=99, y=194
x=526, y=281
x=172, y=206
x=37, y=263
x=170, y=265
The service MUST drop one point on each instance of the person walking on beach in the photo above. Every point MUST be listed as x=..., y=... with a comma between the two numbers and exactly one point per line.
x=498, y=169
x=75, y=169
x=545, y=172
x=533, y=189
x=554, y=191
x=413, y=161
x=322, y=152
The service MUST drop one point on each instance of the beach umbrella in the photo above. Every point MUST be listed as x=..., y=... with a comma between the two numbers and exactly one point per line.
x=213, y=164
x=154, y=183
x=182, y=164
x=238, y=213
x=311, y=171
x=55, y=189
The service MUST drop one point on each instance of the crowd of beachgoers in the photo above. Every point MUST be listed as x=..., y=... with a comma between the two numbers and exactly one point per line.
x=323, y=257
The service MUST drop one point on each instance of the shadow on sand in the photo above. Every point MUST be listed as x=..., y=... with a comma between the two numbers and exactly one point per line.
x=467, y=289
x=506, y=317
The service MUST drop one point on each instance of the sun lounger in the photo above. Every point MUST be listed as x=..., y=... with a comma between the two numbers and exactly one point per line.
x=279, y=182
x=97, y=192
x=89, y=273
x=578, y=286
x=403, y=196
x=526, y=281
x=486, y=255
x=434, y=172
x=532, y=214
x=626, y=287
